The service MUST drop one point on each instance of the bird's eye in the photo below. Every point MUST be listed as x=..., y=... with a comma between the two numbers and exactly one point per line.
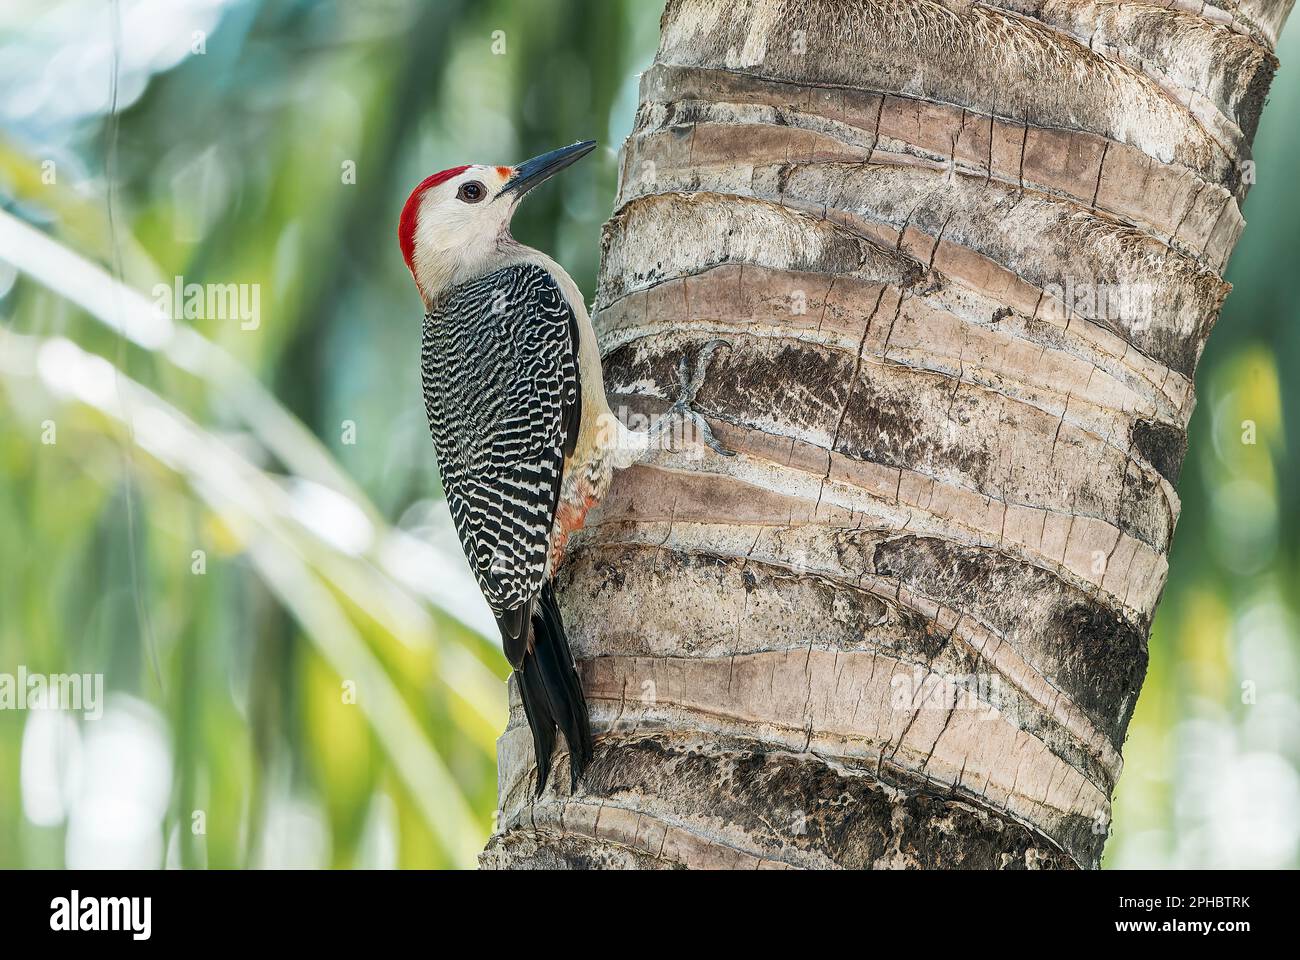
x=471, y=192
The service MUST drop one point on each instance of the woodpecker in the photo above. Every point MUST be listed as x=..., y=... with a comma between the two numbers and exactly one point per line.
x=524, y=436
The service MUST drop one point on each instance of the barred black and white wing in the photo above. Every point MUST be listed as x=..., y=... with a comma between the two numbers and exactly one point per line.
x=501, y=387
x=502, y=391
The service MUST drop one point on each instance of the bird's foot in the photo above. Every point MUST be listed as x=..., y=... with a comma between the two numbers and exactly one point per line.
x=691, y=381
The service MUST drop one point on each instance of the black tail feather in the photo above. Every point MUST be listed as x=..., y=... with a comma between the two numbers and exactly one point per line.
x=552, y=693
x=538, y=712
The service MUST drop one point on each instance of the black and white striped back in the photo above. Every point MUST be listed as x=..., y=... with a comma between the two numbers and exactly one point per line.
x=501, y=388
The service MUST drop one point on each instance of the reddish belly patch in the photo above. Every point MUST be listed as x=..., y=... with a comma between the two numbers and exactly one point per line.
x=569, y=518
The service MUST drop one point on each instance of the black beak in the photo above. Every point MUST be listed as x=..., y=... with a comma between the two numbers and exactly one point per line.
x=532, y=172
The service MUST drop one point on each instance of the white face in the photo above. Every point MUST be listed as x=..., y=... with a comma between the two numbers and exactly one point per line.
x=458, y=226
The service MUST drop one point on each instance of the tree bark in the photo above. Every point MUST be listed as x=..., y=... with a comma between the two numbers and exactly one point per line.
x=965, y=258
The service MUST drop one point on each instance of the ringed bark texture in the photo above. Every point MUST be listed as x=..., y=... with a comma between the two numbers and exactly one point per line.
x=965, y=258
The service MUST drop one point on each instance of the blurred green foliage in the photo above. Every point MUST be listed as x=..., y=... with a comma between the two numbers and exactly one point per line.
x=310, y=699
x=1210, y=767
x=276, y=151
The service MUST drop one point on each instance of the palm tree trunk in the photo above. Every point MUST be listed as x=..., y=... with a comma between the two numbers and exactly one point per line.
x=965, y=257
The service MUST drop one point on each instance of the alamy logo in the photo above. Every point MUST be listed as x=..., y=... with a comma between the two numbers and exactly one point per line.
x=132, y=914
x=210, y=301
x=1133, y=304
x=54, y=691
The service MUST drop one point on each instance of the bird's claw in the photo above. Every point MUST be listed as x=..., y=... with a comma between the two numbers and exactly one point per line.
x=691, y=381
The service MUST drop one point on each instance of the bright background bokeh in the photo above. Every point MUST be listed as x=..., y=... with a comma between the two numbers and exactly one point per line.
x=240, y=529
x=1212, y=763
